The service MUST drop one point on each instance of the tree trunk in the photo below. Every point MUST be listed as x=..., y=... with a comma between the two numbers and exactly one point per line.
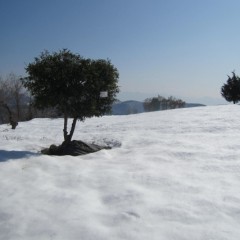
x=72, y=129
x=65, y=133
x=68, y=137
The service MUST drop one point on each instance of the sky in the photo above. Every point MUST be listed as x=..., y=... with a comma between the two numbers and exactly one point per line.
x=168, y=47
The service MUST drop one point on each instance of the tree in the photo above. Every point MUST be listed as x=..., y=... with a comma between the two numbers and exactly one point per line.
x=11, y=99
x=231, y=90
x=79, y=88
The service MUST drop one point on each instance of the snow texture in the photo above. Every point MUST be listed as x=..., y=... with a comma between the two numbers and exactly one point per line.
x=170, y=175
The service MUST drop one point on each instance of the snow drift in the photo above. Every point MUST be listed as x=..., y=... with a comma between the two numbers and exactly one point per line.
x=169, y=175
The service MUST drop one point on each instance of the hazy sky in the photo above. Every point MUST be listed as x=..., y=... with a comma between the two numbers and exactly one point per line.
x=184, y=48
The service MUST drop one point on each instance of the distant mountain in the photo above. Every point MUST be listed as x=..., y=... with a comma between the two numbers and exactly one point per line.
x=127, y=107
x=133, y=107
x=187, y=105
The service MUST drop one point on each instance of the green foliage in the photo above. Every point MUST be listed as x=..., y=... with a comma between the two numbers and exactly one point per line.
x=231, y=90
x=72, y=83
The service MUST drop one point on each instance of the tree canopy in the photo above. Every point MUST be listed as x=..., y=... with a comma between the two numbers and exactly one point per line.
x=231, y=90
x=72, y=84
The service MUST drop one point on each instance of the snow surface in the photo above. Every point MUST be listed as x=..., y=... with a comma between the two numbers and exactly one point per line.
x=171, y=175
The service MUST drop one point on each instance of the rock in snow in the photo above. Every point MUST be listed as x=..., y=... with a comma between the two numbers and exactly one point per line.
x=74, y=148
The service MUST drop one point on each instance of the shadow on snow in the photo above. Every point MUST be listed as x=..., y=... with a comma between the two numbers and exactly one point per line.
x=13, y=155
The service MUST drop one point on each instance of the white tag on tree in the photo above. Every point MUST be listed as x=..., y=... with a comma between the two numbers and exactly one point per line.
x=103, y=94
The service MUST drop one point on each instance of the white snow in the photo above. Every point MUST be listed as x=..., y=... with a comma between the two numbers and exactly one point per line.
x=171, y=175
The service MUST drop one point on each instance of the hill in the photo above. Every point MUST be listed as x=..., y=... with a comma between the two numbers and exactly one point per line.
x=127, y=107
x=132, y=107
x=187, y=105
x=169, y=175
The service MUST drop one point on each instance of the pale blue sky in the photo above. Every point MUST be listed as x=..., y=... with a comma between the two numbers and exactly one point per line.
x=184, y=48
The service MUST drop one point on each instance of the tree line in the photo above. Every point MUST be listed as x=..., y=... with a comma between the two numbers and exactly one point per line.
x=17, y=104
x=162, y=103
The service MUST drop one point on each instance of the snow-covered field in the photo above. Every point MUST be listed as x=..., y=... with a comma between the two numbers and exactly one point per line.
x=171, y=175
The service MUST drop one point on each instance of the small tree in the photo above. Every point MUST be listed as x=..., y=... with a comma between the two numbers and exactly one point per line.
x=73, y=85
x=231, y=90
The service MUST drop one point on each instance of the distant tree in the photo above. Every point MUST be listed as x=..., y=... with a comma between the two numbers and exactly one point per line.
x=16, y=92
x=155, y=103
x=12, y=95
x=231, y=90
x=161, y=103
x=151, y=104
x=180, y=103
x=79, y=88
x=147, y=104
